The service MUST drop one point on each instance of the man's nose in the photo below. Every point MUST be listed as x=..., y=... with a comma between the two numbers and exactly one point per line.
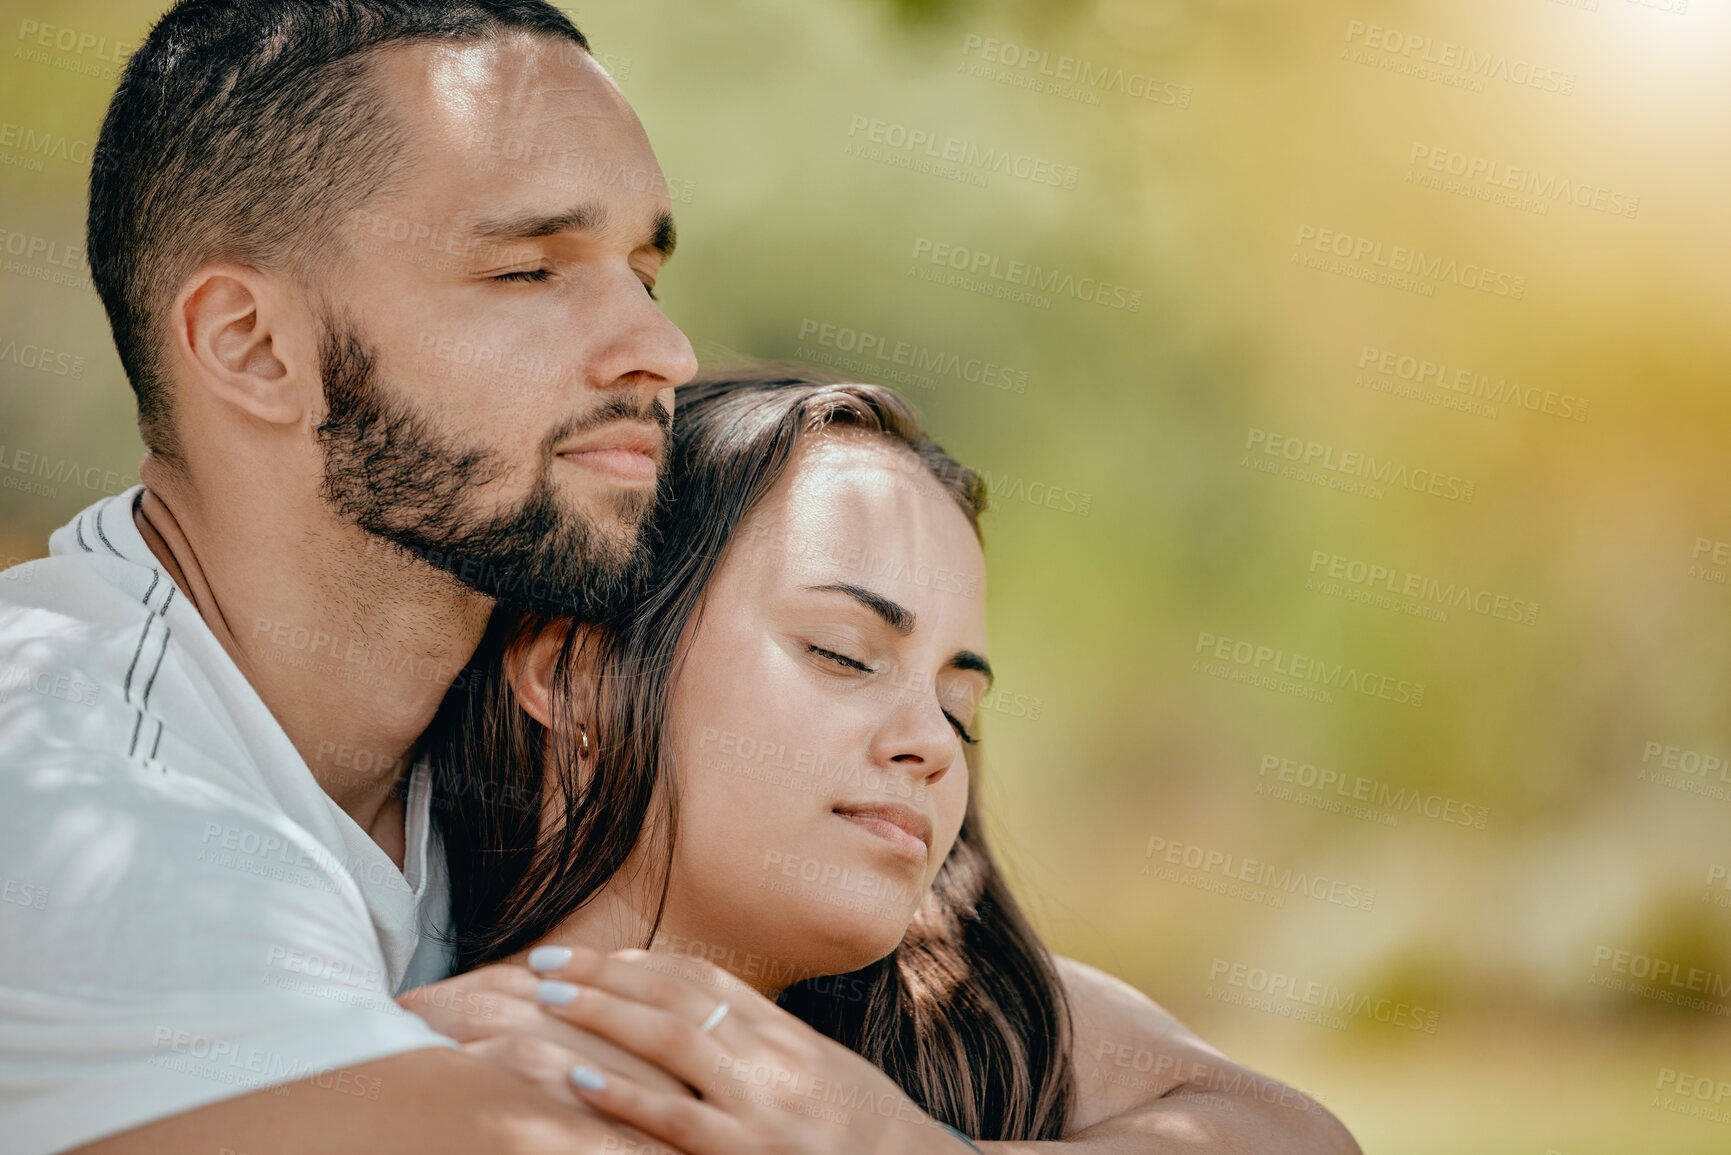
x=642, y=348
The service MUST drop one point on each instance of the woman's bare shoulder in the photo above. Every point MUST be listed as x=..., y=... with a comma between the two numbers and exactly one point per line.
x=1128, y=1049
x=1130, y=1053
x=1102, y=1001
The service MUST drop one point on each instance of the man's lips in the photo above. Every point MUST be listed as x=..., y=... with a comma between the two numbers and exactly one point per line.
x=905, y=829
x=627, y=452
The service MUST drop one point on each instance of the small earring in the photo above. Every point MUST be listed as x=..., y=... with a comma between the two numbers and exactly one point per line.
x=582, y=741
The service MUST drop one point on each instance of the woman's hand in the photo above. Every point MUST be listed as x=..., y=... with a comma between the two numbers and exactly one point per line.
x=765, y=1081
x=495, y=1014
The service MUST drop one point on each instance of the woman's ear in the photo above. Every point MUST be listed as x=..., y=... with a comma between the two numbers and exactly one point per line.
x=531, y=667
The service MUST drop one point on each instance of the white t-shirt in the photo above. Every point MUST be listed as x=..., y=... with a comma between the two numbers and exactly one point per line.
x=185, y=915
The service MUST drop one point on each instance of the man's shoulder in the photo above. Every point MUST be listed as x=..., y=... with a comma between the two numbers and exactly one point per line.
x=102, y=656
x=117, y=850
x=72, y=645
x=90, y=659
x=63, y=591
x=81, y=610
x=98, y=571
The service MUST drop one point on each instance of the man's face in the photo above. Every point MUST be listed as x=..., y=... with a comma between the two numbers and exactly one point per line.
x=499, y=377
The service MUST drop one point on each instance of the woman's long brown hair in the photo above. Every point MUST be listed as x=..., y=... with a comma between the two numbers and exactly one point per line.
x=967, y=1014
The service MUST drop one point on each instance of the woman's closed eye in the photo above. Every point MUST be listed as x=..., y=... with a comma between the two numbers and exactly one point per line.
x=841, y=659
x=961, y=730
x=855, y=664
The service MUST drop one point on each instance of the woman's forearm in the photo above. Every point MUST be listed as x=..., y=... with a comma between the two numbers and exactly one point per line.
x=1220, y=1122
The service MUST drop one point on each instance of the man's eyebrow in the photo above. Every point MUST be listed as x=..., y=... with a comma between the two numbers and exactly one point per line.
x=589, y=218
x=968, y=660
x=897, y=616
x=664, y=237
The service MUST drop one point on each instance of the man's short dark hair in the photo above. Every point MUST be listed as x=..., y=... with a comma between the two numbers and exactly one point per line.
x=247, y=130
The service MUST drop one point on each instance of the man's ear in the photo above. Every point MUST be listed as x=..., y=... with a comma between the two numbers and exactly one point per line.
x=531, y=664
x=247, y=342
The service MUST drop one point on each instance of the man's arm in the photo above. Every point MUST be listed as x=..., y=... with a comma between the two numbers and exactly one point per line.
x=1147, y=1085
x=176, y=996
x=416, y=1103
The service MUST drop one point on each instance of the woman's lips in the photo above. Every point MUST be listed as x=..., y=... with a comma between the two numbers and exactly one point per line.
x=904, y=829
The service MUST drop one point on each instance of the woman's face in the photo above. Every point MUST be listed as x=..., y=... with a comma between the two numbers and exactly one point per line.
x=817, y=723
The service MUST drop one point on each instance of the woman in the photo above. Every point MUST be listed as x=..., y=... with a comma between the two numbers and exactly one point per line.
x=766, y=764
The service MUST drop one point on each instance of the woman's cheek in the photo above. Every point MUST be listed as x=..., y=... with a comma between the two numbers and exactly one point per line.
x=951, y=804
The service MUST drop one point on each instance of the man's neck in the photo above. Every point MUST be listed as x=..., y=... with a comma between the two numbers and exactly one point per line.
x=350, y=643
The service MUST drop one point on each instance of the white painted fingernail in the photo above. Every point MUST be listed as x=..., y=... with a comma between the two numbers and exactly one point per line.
x=589, y=1080
x=547, y=958
x=555, y=992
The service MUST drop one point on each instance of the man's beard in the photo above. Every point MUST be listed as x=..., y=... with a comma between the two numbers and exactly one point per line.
x=397, y=477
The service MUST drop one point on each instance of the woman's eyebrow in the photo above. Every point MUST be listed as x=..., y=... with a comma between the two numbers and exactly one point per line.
x=968, y=660
x=897, y=616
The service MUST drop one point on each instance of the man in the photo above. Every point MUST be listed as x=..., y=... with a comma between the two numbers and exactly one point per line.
x=381, y=275
x=305, y=220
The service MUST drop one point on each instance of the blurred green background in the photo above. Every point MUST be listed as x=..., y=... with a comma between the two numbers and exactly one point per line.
x=1552, y=801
